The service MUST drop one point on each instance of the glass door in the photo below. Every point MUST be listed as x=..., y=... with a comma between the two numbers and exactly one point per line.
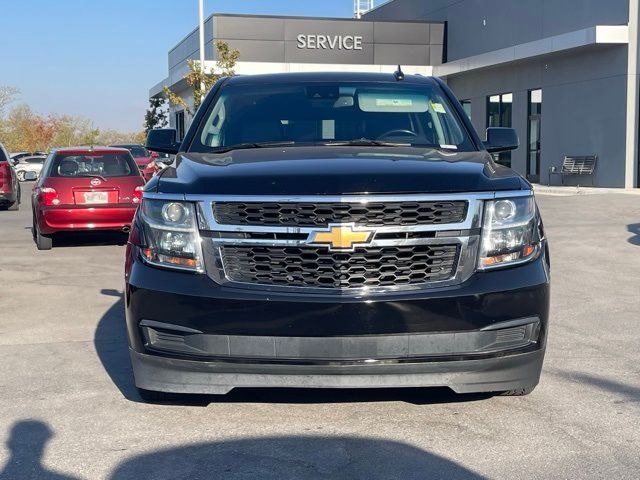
x=534, y=137
x=499, y=110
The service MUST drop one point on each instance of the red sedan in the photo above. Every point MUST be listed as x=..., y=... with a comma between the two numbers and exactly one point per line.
x=85, y=189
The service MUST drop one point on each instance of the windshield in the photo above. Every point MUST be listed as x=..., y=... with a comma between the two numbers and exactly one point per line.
x=138, y=152
x=102, y=165
x=303, y=113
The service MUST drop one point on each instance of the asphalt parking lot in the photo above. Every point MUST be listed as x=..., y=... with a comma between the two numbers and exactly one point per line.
x=69, y=409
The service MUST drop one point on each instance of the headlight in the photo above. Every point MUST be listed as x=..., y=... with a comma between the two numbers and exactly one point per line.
x=172, y=239
x=508, y=233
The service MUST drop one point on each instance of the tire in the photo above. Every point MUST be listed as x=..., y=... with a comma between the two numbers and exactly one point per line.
x=20, y=175
x=43, y=242
x=518, y=392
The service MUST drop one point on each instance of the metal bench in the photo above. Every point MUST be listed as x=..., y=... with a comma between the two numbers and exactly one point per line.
x=576, y=165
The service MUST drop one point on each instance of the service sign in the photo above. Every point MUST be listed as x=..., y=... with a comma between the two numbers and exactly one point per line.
x=330, y=42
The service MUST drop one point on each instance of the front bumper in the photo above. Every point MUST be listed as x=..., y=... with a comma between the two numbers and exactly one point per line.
x=57, y=219
x=465, y=376
x=189, y=335
x=8, y=198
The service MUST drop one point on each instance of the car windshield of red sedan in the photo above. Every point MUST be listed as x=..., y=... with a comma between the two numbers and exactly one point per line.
x=91, y=165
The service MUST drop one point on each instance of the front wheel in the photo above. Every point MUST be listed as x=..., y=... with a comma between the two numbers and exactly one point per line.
x=518, y=392
x=43, y=242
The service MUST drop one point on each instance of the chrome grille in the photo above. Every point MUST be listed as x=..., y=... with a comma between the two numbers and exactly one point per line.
x=374, y=214
x=317, y=267
x=286, y=256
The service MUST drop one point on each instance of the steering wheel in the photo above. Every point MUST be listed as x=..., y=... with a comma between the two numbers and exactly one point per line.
x=398, y=132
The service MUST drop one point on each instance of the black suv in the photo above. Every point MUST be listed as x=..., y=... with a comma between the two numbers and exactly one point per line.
x=336, y=230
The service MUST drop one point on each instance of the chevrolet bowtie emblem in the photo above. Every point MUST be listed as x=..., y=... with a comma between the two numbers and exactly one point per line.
x=341, y=237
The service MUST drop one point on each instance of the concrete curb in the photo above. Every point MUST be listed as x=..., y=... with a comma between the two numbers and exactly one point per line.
x=576, y=191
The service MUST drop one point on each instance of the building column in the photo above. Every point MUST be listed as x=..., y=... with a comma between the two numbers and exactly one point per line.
x=633, y=97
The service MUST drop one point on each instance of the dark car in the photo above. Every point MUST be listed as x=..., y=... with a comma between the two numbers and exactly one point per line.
x=336, y=230
x=9, y=183
x=85, y=189
x=145, y=159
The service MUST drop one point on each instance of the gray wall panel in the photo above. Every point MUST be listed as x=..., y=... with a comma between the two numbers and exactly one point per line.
x=412, y=33
x=437, y=34
x=479, y=26
x=586, y=128
x=259, y=50
x=436, y=54
x=406, y=55
x=250, y=28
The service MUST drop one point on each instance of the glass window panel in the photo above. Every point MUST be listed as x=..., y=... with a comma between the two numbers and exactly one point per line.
x=466, y=106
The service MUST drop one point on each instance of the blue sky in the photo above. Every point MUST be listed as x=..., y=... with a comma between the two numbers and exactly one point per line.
x=98, y=59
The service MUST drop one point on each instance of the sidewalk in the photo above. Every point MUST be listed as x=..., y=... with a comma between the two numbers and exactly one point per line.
x=561, y=191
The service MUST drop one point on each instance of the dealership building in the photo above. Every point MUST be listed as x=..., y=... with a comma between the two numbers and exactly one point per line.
x=563, y=73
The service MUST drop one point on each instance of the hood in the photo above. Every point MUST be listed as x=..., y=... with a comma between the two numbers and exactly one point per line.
x=335, y=171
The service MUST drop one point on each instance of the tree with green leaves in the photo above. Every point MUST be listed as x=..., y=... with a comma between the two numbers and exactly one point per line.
x=196, y=78
x=156, y=116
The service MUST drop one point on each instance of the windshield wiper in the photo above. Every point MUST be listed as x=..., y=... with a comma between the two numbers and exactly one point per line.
x=249, y=145
x=366, y=142
x=434, y=147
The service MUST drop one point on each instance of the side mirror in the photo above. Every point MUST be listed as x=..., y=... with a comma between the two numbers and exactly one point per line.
x=163, y=140
x=501, y=140
x=30, y=176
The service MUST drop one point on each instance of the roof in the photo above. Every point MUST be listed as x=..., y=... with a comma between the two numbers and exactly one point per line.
x=326, y=77
x=84, y=149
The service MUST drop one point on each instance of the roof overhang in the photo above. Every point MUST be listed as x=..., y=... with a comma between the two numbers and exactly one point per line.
x=596, y=35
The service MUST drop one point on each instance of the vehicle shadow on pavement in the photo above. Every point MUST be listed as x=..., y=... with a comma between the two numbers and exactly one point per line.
x=111, y=344
x=89, y=239
x=293, y=457
x=631, y=393
x=635, y=230
x=26, y=445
